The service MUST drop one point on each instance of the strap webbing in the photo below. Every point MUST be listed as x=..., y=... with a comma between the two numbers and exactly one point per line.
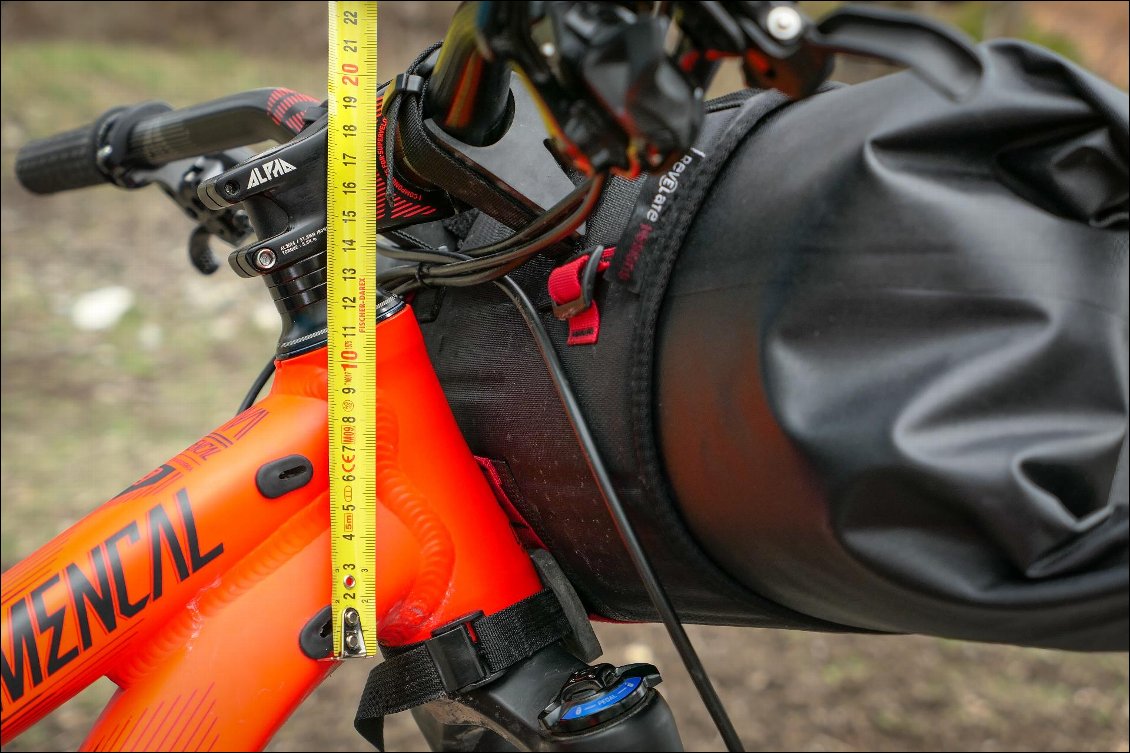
x=571, y=289
x=465, y=654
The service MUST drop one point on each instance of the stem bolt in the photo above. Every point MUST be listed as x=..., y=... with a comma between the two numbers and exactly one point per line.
x=784, y=23
x=265, y=258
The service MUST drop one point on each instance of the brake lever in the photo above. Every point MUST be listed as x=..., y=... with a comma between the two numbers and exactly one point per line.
x=180, y=180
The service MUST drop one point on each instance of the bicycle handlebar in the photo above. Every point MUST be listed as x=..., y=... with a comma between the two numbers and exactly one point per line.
x=152, y=135
x=61, y=162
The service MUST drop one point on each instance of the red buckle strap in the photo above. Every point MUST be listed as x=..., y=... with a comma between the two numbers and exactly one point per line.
x=571, y=286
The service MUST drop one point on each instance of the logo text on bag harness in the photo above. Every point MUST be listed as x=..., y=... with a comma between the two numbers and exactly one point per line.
x=668, y=184
x=657, y=195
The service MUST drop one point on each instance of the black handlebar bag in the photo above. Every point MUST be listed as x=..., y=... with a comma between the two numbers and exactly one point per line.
x=863, y=367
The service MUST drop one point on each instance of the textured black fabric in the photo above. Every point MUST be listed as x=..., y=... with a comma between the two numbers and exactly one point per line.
x=916, y=399
x=408, y=676
x=460, y=224
x=607, y=221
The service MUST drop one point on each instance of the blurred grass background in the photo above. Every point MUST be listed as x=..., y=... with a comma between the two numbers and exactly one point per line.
x=85, y=412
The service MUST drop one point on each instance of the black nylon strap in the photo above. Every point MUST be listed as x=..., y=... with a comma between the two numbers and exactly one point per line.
x=425, y=156
x=391, y=112
x=606, y=223
x=427, y=671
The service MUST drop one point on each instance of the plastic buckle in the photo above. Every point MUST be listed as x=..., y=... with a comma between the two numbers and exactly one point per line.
x=568, y=309
x=455, y=655
x=404, y=83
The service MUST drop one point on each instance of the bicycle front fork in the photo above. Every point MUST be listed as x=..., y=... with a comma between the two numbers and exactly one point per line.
x=553, y=702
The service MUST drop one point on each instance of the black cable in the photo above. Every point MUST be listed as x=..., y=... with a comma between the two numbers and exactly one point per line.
x=257, y=386
x=544, y=222
x=588, y=193
x=418, y=255
x=478, y=278
x=624, y=527
x=505, y=256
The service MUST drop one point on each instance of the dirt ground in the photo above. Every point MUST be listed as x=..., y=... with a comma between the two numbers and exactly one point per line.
x=86, y=411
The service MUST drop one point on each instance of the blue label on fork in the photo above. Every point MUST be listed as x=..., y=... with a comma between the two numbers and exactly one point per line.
x=617, y=694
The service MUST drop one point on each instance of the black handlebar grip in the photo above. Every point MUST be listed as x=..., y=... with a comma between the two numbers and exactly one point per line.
x=61, y=162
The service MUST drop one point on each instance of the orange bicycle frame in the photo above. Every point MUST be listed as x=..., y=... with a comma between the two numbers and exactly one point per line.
x=190, y=589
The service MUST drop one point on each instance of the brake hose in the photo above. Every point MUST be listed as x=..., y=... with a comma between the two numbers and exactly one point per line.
x=257, y=386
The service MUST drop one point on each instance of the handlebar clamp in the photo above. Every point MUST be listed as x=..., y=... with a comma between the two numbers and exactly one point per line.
x=283, y=191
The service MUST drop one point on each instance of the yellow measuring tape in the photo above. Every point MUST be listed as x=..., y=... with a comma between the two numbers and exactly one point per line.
x=351, y=273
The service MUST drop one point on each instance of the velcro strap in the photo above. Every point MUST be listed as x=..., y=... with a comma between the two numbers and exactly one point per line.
x=571, y=288
x=460, y=656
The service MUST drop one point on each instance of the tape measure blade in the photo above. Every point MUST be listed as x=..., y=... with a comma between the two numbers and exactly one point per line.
x=351, y=300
